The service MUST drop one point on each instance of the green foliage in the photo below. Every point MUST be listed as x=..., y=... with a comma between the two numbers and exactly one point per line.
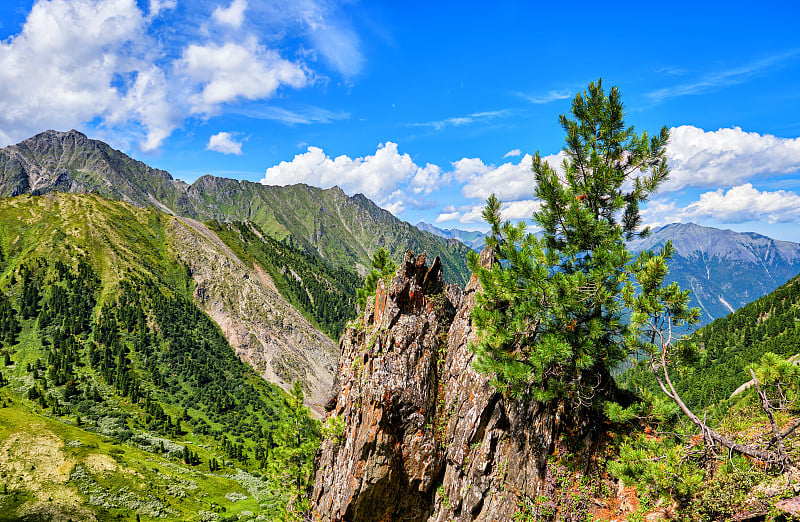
x=779, y=379
x=292, y=460
x=325, y=294
x=659, y=463
x=9, y=322
x=333, y=429
x=550, y=314
x=723, y=351
x=111, y=341
x=382, y=268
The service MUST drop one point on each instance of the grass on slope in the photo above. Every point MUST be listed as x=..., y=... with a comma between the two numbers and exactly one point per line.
x=52, y=469
x=100, y=332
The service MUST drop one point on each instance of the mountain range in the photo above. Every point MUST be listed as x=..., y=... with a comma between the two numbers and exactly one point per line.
x=343, y=230
x=724, y=269
x=472, y=238
x=137, y=308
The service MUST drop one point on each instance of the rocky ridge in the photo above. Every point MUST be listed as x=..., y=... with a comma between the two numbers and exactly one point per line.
x=264, y=330
x=426, y=437
x=345, y=231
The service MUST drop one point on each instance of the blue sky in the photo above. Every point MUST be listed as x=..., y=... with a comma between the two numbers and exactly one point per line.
x=425, y=107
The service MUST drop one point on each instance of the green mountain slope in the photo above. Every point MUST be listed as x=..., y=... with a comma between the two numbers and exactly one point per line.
x=102, y=344
x=725, y=349
x=729, y=346
x=345, y=231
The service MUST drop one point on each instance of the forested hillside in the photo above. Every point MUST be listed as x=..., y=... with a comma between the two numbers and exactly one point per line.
x=728, y=347
x=103, y=344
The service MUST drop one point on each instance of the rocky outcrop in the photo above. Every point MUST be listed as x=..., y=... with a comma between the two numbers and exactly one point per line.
x=387, y=465
x=426, y=437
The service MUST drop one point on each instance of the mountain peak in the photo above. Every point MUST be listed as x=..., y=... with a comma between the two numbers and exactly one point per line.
x=51, y=134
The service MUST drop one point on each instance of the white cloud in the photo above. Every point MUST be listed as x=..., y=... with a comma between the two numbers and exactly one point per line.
x=225, y=143
x=745, y=203
x=551, y=96
x=231, y=71
x=329, y=32
x=520, y=209
x=448, y=216
x=726, y=157
x=395, y=207
x=514, y=210
x=305, y=115
x=379, y=176
x=509, y=181
x=147, y=102
x=512, y=153
x=458, y=121
x=107, y=65
x=716, y=80
x=233, y=15
x=740, y=204
x=427, y=179
x=158, y=6
x=473, y=214
x=71, y=63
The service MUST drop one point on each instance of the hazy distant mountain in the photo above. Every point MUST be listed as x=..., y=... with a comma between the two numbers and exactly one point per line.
x=471, y=238
x=724, y=269
x=343, y=230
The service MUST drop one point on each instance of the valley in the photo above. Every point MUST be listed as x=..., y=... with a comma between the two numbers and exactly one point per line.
x=169, y=352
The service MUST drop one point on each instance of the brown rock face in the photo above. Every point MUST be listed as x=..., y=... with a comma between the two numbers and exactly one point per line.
x=387, y=465
x=426, y=437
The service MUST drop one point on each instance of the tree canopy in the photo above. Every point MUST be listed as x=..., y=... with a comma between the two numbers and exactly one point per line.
x=550, y=317
x=382, y=267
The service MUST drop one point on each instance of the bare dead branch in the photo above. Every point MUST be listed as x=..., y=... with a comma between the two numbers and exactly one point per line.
x=666, y=385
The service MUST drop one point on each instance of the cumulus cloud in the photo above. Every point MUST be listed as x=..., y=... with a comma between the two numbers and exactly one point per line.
x=520, y=209
x=379, y=176
x=727, y=157
x=514, y=210
x=233, y=15
x=746, y=203
x=231, y=71
x=512, y=153
x=740, y=204
x=509, y=181
x=225, y=143
x=448, y=216
x=69, y=65
x=106, y=64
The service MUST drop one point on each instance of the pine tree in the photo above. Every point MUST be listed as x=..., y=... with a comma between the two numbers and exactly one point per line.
x=296, y=441
x=382, y=267
x=550, y=315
